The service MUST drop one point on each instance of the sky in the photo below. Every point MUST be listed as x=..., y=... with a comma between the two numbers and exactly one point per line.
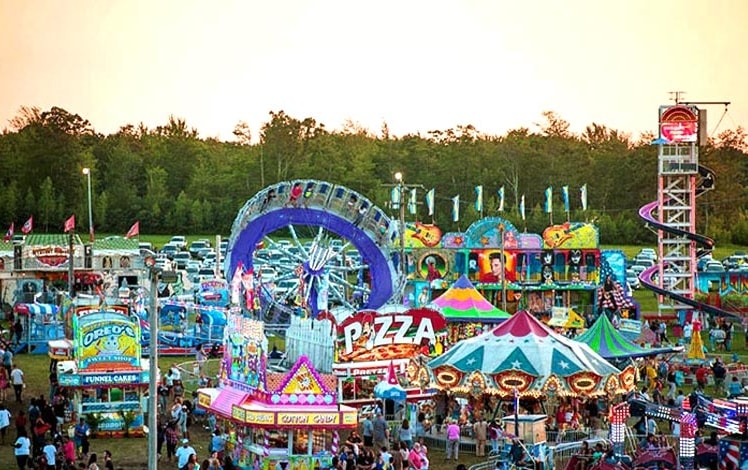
x=416, y=65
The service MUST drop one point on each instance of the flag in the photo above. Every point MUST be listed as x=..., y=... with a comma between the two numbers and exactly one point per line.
x=69, y=224
x=549, y=199
x=732, y=452
x=134, y=230
x=412, y=202
x=583, y=196
x=501, y=199
x=430, y=201
x=479, y=198
x=28, y=226
x=522, y=207
x=456, y=208
x=565, y=195
x=10, y=232
x=395, y=197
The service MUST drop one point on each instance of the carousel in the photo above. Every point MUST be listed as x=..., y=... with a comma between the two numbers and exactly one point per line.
x=524, y=358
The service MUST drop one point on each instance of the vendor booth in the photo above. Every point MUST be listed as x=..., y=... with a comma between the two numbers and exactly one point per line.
x=107, y=376
x=291, y=419
x=369, y=343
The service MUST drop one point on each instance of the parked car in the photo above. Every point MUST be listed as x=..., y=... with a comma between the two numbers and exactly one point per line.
x=284, y=287
x=267, y=274
x=633, y=279
x=649, y=253
x=145, y=246
x=169, y=250
x=179, y=241
x=198, y=245
x=714, y=267
x=181, y=259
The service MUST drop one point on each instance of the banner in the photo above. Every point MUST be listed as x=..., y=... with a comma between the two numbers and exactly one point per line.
x=69, y=224
x=28, y=226
x=565, y=195
x=522, y=207
x=583, y=196
x=479, y=198
x=395, y=197
x=456, y=208
x=549, y=199
x=10, y=232
x=430, y=201
x=134, y=230
x=501, y=199
x=412, y=202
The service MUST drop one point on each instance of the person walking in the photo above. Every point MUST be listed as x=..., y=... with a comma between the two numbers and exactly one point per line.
x=22, y=449
x=4, y=422
x=453, y=439
x=16, y=378
x=380, y=432
x=480, y=431
x=183, y=453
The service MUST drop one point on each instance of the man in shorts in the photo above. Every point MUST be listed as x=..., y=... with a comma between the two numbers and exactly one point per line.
x=368, y=431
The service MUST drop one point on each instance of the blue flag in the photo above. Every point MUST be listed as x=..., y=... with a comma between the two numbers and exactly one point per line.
x=479, y=198
x=549, y=199
x=430, y=201
x=565, y=195
x=456, y=208
x=500, y=192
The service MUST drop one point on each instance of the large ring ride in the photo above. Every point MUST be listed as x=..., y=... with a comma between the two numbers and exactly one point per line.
x=323, y=222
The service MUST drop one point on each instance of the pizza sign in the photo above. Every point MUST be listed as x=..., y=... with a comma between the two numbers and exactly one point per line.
x=369, y=336
x=679, y=124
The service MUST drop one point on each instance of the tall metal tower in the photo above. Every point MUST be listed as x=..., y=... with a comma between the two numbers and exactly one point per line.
x=678, y=185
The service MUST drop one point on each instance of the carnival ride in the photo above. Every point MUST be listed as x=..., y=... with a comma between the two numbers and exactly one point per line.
x=681, y=179
x=323, y=221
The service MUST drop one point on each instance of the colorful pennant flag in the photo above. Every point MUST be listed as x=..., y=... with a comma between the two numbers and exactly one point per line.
x=412, y=202
x=28, y=226
x=565, y=195
x=549, y=199
x=456, y=208
x=430, y=201
x=134, y=230
x=69, y=224
x=501, y=199
x=522, y=207
x=479, y=198
x=10, y=232
x=583, y=196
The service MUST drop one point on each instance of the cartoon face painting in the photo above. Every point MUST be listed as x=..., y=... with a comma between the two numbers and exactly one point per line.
x=109, y=345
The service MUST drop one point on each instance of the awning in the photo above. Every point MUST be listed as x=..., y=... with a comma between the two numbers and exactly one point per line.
x=225, y=400
x=35, y=309
x=60, y=349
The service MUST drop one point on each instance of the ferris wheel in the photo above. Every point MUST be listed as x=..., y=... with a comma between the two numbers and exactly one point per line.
x=315, y=245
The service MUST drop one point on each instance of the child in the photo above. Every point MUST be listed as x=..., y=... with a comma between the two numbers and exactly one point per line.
x=424, y=458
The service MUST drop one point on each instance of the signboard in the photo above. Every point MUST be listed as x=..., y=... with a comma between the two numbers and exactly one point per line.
x=51, y=256
x=106, y=340
x=630, y=326
x=245, y=353
x=368, y=336
x=308, y=419
x=679, y=124
x=112, y=379
x=259, y=417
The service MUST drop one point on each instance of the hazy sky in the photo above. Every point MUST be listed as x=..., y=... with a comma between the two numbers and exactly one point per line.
x=417, y=65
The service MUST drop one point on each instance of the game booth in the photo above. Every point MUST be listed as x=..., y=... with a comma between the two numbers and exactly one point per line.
x=291, y=419
x=369, y=343
x=107, y=376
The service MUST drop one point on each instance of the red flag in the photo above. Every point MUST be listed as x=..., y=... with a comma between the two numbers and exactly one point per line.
x=134, y=230
x=69, y=224
x=28, y=226
x=10, y=232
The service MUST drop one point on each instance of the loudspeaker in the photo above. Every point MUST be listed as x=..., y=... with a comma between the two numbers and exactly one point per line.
x=17, y=257
x=87, y=256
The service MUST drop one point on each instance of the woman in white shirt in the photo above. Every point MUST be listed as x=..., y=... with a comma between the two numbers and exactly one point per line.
x=22, y=449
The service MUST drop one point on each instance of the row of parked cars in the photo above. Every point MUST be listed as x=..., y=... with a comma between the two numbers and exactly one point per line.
x=198, y=259
x=647, y=257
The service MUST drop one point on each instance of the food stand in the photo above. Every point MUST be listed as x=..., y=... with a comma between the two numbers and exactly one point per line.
x=368, y=343
x=288, y=418
x=107, y=376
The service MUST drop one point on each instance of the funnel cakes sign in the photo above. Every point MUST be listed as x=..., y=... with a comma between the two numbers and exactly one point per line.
x=369, y=336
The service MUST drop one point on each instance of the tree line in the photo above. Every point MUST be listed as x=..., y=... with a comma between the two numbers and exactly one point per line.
x=173, y=181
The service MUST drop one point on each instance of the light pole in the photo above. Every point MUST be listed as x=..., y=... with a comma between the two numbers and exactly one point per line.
x=401, y=197
x=153, y=362
x=87, y=172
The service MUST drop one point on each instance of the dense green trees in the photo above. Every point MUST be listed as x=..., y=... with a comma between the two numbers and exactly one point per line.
x=173, y=181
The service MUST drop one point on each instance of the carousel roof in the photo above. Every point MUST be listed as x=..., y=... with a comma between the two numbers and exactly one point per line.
x=604, y=338
x=463, y=302
x=524, y=354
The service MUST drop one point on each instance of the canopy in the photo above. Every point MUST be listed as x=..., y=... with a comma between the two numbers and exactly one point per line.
x=610, y=344
x=525, y=355
x=463, y=303
x=36, y=309
x=390, y=388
